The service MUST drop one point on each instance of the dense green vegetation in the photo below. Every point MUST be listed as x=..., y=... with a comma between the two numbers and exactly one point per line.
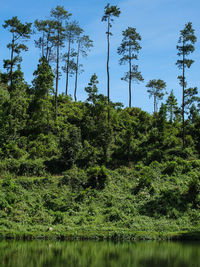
x=158, y=201
x=100, y=166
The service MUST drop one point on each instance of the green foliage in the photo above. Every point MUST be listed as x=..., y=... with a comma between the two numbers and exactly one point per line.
x=170, y=167
x=92, y=89
x=193, y=191
x=32, y=168
x=97, y=177
x=115, y=166
x=157, y=90
x=172, y=107
x=71, y=145
x=75, y=179
x=129, y=50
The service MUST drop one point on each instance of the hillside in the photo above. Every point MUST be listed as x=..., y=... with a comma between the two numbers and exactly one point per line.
x=160, y=201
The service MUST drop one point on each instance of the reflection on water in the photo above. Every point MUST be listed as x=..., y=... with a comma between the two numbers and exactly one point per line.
x=98, y=254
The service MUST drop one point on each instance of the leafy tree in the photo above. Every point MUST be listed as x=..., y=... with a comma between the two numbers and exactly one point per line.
x=190, y=97
x=43, y=89
x=16, y=107
x=185, y=47
x=157, y=90
x=20, y=33
x=71, y=145
x=129, y=50
x=109, y=13
x=4, y=99
x=92, y=89
x=172, y=106
x=194, y=115
x=59, y=15
x=161, y=120
x=84, y=44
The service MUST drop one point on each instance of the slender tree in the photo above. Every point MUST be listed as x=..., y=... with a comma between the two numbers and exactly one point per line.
x=72, y=31
x=156, y=88
x=59, y=15
x=172, y=106
x=185, y=47
x=45, y=42
x=20, y=33
x=84, y=45
x=129, y=50
x=109, y=13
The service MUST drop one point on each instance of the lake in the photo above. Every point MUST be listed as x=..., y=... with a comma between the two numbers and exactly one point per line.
x=99, y=254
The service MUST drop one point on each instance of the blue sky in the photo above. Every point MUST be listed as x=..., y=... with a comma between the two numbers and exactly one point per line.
x=158, y=21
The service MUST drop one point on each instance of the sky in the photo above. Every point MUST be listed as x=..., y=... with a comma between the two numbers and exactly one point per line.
x=157, y=21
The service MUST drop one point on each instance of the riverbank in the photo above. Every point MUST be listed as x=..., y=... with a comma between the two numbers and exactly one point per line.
x=100, y=235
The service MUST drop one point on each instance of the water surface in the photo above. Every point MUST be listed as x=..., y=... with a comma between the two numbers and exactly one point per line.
x=99, y=254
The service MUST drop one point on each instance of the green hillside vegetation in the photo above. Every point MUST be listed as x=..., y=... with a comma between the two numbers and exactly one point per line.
x=94, y=169
x=160, y=201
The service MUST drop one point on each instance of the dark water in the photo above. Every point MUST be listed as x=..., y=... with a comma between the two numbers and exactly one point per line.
x=99, y=254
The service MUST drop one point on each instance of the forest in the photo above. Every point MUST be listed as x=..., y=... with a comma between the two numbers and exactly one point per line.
x=94, y=164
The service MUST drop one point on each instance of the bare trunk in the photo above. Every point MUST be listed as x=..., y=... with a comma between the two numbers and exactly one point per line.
x=11, y=61
x=108, y=74
x=155, y=104
x=47, y=51
x=57, y=77
x=183, y=101
x=43, y=45
x=77, y=67
x=129, y=76
x=67, y=71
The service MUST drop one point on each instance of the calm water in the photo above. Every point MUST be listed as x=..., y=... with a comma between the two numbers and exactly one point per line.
x=99, y=254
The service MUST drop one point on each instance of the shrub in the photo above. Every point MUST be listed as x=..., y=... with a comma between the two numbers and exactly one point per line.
x=112, y=215
x=74, y=178
x=55, y=165
x=193, y=191
x=32, y=168
x=58, y=217
x=97, y=177
x=170, y=167
x=155, y=155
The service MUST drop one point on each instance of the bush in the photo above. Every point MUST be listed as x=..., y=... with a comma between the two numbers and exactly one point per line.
x=10, y=165
x=170, y=167
x=74, y=178
x=193, y=191
x=112, y=215
x=97, y=177
x=155, y=155
x=32, y=168
x=55, y=165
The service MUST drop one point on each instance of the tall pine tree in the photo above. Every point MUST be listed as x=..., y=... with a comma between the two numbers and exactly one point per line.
x=185, y=47
x=129, y=50
x=109, y=13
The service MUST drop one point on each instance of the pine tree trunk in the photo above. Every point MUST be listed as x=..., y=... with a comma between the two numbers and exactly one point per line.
x=77, y=68
x=67, y=71
x=108, y=74
x=48, y=48
x=129, y=76
x=43, y=45
x=154, y=104
x=183, y=101
x=11, y=62
x=57, y=77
